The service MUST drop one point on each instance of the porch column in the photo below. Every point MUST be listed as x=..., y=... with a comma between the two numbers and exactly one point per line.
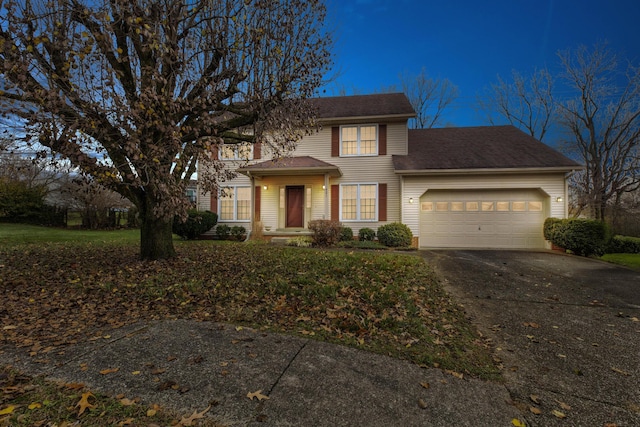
x=326, y=198
x=253, y=201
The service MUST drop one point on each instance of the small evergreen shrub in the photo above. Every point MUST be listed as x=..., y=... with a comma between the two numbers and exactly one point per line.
x=325, y=232
x=549, y=228
x=300, y=241
x=346, y=234
x=366, y=234
x=583, y=237
x=223, y=231
x=238, y=232
x=197, y=223
x=624, y=245
x=395, y=235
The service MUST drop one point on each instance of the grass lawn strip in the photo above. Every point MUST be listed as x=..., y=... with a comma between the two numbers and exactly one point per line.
x=58, y=294
x=27, y=402
x=628, y=260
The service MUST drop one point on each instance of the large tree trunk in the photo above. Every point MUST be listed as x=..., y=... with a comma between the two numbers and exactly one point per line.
x=156, y=238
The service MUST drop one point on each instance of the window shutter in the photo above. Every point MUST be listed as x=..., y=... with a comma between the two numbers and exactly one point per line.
x=256, y=209
x=213, y=205
x=382, y=140
x=382, y=202
x=335, y=202
x=257, y=151
x=215, y=151
x=335, y=141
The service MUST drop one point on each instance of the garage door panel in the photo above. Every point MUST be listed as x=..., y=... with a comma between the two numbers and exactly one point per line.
x=489, y=218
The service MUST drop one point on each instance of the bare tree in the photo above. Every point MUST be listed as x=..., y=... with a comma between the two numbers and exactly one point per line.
x=604, y=123
x=95, y=202
x=137, y=93
x=429, y=97
x=526, y=102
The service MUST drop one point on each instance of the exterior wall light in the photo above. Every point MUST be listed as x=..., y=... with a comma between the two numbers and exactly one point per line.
x=559, y=199
x=265, y=187
x=411, y=200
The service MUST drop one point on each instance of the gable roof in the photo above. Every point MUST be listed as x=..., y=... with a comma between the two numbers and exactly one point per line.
x=377, y=105
x=484, y=147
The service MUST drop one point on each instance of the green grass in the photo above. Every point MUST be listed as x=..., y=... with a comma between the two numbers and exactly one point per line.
x=33, y=401
x=15, y=234
x=628, y=260
x=384, y=302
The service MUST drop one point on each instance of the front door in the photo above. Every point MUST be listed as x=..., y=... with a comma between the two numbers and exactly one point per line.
x=295, y=206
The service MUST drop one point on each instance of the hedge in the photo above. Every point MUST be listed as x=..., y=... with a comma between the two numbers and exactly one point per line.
x=197, y=223
x=581, y=236
x=624, y=245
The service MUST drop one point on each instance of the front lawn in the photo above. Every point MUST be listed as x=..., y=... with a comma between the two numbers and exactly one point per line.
x=66, y=286
x=628, y=260
x=13, y=234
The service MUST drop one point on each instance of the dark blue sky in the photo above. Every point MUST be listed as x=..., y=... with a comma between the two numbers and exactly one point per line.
x=469, y=42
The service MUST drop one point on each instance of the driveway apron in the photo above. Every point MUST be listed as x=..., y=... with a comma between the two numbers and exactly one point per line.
x=565, y=329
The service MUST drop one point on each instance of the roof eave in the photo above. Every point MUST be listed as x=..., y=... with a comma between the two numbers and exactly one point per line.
x=262, y=172
x=490, y=171
x=369, y=118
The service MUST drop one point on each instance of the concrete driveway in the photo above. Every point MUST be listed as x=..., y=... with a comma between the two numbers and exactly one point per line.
x=565, y=329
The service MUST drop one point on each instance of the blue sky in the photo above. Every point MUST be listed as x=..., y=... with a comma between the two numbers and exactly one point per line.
x=469, y=42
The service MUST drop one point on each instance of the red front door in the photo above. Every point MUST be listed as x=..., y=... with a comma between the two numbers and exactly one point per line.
x=295, y=206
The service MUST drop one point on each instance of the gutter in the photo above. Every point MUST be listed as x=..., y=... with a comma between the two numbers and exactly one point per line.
x=488, y=171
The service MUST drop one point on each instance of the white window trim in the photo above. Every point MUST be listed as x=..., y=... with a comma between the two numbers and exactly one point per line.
x=358, y=140
x=358, y=202
x=235, y=203
x=235, y=157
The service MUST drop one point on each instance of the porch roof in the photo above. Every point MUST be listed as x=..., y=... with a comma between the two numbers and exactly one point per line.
x=301, y=165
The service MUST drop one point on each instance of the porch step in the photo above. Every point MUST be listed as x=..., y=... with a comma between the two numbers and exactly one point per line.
x=280, y=240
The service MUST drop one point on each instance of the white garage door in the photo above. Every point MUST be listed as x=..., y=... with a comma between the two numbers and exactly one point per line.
x=482, y=219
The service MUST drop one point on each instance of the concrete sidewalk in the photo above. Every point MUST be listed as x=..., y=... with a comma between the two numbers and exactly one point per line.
x=186, y=365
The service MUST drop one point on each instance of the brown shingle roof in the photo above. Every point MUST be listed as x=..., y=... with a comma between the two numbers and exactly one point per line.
x=302, y=165
x=486, y=147
x=383, y=104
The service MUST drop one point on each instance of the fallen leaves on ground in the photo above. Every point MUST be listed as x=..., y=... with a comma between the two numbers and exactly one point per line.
x=558, y=414
x=188, y=421
x=257, y=394
x=84, y=403
x=64, y=293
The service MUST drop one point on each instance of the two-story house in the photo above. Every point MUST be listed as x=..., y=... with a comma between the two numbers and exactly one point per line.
x=454, y=187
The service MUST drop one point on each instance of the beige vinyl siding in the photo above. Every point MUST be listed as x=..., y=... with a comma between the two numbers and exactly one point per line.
x=363, y=169
x=271, y=213
x=552, y=186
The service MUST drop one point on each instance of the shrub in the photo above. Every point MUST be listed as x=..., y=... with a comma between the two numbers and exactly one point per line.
x=624, y=245
x=549, y=228
x=197, y=223
x=346, y=234
x=395, y=235
x=325, y=232
x=581, y=236
x=238, y=232
x=223, y=231
x=300, y=241
x=366, y=234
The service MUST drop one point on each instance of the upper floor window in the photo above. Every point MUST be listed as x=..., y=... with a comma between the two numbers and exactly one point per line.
x=240, y=151
x=359, y=140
